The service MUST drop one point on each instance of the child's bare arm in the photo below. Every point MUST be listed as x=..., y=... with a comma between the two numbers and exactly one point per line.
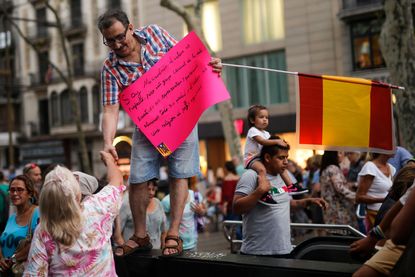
x=259, y=168
x=286, y=178
x=267, y=142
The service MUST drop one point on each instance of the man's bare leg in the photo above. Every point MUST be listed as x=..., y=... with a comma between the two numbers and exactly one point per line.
x=138, y=197
x=178, y=195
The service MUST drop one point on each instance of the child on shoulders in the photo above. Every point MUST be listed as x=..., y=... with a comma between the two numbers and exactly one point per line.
x=256, y=138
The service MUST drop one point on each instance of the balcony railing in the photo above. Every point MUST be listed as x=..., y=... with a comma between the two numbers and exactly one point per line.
x=39, y=35
x=351, y=4
x=74, y=27
x=37, y=79
x=353, y=9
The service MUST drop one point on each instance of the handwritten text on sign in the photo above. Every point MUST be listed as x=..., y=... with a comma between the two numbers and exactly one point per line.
x=168, y=100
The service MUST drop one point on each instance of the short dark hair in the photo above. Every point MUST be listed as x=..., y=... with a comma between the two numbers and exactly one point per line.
x=272, y=150
x=107, y=19
x=230, y=167
x=403, y=180
x=329, y=158
x=253, y=112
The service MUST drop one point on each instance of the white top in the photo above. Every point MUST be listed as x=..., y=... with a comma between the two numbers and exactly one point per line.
x=91, y=254
x=381, y=183
x=404, y=197
x=253, y=148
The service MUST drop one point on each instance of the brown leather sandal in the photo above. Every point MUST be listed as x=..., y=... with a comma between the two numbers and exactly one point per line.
x=178, y=247
x=143, y=244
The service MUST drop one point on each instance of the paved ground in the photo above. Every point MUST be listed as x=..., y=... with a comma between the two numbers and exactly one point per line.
x=213, y=241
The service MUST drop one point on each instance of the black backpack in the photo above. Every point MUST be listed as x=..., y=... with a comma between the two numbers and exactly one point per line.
x=4, y=211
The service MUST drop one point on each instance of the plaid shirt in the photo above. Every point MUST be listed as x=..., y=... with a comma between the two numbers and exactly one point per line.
x=117, y=74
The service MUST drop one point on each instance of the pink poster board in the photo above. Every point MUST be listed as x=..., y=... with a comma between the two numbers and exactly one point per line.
x=168, y=100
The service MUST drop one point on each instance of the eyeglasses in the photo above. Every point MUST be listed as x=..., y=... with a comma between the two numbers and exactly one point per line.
x=17, y=190
x=111, y=41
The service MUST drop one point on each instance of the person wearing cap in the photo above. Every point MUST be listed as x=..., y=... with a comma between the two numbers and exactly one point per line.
x=87, y=183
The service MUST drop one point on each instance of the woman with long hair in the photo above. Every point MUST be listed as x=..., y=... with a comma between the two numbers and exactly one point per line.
x=73, y=238
x=336, y=191
x=19, y=224
x=375, y=180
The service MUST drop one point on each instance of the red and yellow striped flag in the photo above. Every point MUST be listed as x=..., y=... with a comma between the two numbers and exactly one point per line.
x=342, y=113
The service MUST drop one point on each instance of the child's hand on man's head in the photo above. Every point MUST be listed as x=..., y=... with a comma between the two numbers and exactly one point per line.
x=281, y=142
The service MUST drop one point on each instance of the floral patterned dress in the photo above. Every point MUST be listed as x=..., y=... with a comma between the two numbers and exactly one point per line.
x=341, y=199
x=91, y=255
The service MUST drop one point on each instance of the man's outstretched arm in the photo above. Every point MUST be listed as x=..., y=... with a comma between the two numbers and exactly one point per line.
x=109, y=127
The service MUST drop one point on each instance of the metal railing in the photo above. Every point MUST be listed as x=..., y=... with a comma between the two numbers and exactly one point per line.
x=229, y=230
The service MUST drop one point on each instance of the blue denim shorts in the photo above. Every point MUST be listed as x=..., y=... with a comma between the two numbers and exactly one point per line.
x=146, y=160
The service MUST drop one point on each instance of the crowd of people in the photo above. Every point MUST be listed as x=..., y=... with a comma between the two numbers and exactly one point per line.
x=66, y=223
x=335, y=193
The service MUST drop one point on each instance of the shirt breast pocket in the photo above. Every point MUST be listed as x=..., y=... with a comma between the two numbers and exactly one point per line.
x=155, y=56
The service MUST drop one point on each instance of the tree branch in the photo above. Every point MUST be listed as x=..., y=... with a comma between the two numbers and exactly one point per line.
x=68, y=80
x=193, y=22
x=187, y=17
x=190, y=20
x=62, y=40
x=34, y=47
x=397, y=43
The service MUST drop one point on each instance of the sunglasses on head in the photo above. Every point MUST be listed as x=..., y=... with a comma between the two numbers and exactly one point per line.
x=29, y=167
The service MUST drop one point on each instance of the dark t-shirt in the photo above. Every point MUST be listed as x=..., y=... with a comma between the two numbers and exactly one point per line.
x=4, y=210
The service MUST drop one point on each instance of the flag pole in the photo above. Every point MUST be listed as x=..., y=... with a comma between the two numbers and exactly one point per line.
x=293, y=73
x=260, y=68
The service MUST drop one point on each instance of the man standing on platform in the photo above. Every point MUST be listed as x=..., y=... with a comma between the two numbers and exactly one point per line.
x=134, y=52
x=266, y=223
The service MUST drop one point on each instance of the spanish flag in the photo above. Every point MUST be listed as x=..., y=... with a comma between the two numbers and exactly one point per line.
x=342, y=113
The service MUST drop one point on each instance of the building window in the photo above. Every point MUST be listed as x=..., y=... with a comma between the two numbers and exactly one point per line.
x=43, y=116
x=66, y=108
x=211, y=25
x=54, y=108
x=43, y=60
x=347, y=4
x=78, y=59
x=76, y=13
x=248, y=86
x=365, y=44
x=41, y=19
x=114, y=4
x=263, y=20
x=96, y=103
x=83, y=104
